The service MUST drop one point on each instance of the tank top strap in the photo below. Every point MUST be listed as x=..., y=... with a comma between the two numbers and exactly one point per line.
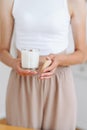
x=66, y=6
x=14, y=6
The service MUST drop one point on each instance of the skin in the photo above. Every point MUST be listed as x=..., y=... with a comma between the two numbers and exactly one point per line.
x=77, y=11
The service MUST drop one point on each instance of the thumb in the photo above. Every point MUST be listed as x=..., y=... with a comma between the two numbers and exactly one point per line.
x=50, y=57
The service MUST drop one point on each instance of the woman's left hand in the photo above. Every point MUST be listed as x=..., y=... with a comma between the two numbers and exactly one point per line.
x=49, y=71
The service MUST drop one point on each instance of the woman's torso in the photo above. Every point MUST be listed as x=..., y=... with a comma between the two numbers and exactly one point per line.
x=41, y=24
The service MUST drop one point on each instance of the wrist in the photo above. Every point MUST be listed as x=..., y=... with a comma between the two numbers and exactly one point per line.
x=61, y=58
x=14, y=62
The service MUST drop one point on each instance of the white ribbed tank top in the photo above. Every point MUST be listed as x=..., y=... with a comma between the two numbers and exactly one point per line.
x=42, y=24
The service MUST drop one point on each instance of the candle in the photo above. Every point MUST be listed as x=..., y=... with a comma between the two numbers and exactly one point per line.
x=30, y=59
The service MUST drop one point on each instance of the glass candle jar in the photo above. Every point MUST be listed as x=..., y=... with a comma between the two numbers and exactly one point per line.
x=30, y=59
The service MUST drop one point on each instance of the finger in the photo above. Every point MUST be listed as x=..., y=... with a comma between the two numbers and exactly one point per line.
x=23, y=71
x=51, y=56
x=48, y=77
x=20, y=70
x=48, y=73
x=28, y=73
x=25, y=74
x=50, y=68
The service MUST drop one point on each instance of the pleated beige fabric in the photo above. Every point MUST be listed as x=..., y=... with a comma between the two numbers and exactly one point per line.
x=49, y=104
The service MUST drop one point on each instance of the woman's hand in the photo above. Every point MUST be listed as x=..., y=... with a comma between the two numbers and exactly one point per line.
x=49, y=71
x=23, y=72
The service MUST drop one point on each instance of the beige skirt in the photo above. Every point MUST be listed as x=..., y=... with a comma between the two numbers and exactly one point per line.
x=48, y=104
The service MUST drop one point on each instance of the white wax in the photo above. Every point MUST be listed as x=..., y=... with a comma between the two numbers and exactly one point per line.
x=30, y=59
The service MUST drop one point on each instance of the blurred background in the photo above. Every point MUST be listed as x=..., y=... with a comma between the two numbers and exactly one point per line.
x=80, y=77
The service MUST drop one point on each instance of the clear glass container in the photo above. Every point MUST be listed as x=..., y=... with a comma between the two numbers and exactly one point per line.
x=30, y=58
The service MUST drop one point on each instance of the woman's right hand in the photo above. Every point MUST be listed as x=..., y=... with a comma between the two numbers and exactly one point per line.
x=23, y=72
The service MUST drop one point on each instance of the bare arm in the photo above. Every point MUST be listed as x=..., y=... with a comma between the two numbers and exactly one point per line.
x=77, y=10
x=6, y=31
x=6, y=28
x=78, y=23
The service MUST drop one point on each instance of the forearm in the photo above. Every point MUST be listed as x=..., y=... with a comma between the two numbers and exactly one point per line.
x=76, y=57
x=6, y=58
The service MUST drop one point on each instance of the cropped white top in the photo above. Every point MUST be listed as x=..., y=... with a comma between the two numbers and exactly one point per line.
x=42, y=24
